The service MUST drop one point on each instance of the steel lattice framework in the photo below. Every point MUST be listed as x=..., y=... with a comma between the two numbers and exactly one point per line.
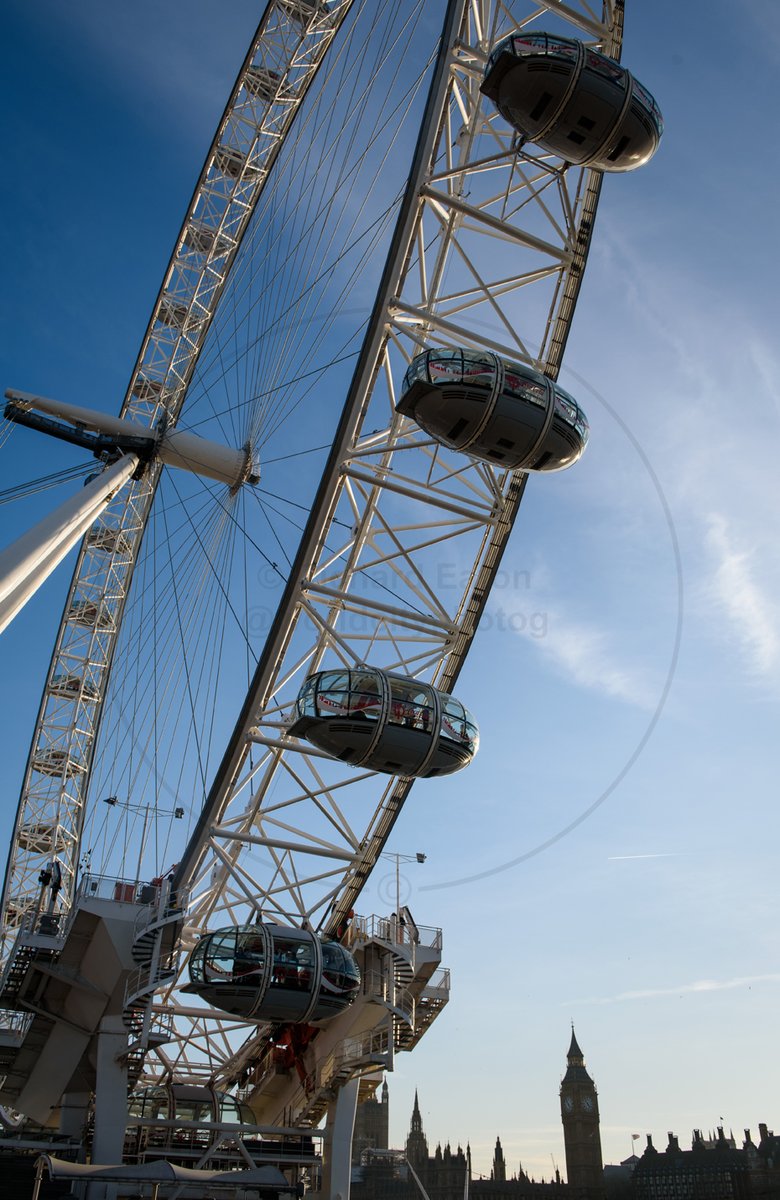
x=286, y=833
x=488, y=252
x=289, y=45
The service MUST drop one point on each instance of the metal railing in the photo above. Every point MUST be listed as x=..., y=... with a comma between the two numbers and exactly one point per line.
x=437, y=985
x=394, y=930
x=109, y=887
x=14, y=1024
x=353, y=1052
x=377, y=986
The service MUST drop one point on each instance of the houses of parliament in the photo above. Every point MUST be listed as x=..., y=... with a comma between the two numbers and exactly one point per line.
x=714, y=1168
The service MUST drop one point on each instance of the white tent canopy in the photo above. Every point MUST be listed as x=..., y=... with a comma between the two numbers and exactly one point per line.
x=259, y=1181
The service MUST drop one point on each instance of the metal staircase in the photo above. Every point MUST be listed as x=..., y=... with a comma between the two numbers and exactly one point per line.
x=155, y=951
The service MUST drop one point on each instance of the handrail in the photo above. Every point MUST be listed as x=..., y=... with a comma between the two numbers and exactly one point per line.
x=14, y=1022
x=394, y=930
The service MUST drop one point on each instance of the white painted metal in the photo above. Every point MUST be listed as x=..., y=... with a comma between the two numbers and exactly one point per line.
x=173, y=447
x=412, y=511
x=27, y=562
x=404, y=539
x=287, y=50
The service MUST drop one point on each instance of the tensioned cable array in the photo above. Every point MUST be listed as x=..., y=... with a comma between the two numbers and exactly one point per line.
x=210, y=573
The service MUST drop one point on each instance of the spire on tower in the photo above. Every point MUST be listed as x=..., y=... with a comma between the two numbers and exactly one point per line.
x=575, y=1055
x=499, y=1165
x=416, y=1143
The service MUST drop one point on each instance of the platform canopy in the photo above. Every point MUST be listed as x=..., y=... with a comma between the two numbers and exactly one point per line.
x=266, y=1180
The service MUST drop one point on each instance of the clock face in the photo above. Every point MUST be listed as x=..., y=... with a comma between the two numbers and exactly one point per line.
x=568, y=1104
x=587, y=1103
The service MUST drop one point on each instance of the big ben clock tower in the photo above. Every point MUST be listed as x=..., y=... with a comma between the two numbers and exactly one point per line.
x=580, y=1116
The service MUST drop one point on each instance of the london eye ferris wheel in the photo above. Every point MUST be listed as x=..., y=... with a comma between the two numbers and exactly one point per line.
x=368, y=302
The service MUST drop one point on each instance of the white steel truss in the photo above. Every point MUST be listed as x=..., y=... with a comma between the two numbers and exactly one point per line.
x=289, y=46
x=404, y=538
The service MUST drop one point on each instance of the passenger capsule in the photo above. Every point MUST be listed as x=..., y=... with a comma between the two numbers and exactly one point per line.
x=501, y=412
x=273, y=973
x=573, y=101
x=385, y=722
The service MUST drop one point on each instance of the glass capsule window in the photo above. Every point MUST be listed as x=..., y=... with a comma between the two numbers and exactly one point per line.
x=249, y=957
x=607, y=68
x=411, y=704
x=213, y=958
x=364, y=695
x=341, y=694
x=339, y=970
x=648, y=101
x=293, y=964
x=306, y=698
x=523, y=44
x=565, y=408
x=478, y=369
x=198, y=1111
x=231, y=1112
x=457, y=724
x=569, y=410
x=150, y=1104
x=525, y=383
x=452, y=366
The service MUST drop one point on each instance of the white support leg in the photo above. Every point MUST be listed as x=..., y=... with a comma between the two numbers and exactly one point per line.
x=73, y=1114
x=110, y=1101
x=26, y=563
x=337, y=1143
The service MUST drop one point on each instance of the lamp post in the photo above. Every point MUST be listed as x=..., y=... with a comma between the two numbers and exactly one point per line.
x=398, y=859
x=114, y=802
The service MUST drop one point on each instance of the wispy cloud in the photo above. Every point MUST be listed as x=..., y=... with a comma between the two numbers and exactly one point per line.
x=737, y=593
x=584, y=654
x=627, y=857
x=684, y=989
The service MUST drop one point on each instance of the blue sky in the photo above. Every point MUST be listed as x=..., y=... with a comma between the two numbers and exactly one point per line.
x=629, y=659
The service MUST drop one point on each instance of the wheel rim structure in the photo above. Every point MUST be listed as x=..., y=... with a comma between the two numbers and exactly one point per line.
x=288, y=47
x=284, y=831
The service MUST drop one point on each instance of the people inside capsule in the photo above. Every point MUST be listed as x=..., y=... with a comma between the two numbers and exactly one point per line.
x=385, y=722
x=230, y=969
x=501, y=412
x=573, y=101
